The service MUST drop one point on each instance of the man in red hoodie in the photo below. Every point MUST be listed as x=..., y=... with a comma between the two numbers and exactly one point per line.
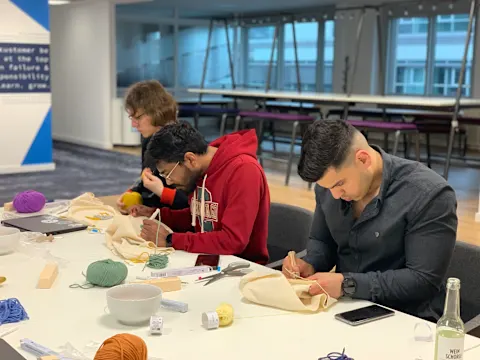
x=230, y=204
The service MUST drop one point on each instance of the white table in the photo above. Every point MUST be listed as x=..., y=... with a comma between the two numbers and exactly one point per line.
x=410, y=102
x=60, y=315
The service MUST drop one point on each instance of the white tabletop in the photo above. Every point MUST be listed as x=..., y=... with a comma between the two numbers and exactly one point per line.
x=61, y=314
x=340, y=99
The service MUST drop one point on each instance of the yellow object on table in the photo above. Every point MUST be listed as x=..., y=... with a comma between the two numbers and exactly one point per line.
x=225, y=314
x=132, y=198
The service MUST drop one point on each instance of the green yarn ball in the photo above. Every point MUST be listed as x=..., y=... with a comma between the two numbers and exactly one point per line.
x=106, y=273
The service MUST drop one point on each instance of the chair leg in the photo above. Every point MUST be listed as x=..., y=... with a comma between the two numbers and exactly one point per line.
x=236, y=126
x=464, y=152
x=195, y=121
x=272, y=132
x=260, y=140
x=223, y=124
x=417, y=145
x=406, y=144
x=429, y=154
x=395, y=144
x=292, y=152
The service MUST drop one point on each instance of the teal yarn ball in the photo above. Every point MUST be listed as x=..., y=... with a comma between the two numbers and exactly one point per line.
x=106, y=273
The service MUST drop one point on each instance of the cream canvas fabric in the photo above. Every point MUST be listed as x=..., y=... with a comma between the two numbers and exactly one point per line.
x=275, y=290
x=89, y=210
x=123, y=238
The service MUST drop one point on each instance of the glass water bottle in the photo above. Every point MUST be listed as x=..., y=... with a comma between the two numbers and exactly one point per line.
x=450, y=328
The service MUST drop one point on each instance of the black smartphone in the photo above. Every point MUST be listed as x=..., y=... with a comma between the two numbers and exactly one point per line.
x=207, y=260
x=7, y=352
x=364, y=315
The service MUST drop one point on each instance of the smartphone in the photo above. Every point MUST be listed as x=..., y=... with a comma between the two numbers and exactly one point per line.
x=8, y=352
x=207, y=260
x=364, y=315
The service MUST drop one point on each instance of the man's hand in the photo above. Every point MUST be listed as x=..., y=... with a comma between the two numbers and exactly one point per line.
x=152, y=183
x=302, y=267
x=121, y=205
x=140, y=210
x=149, y=232
x=330, y=282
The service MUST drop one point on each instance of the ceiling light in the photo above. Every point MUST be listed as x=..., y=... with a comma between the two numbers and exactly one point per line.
x=58, y=2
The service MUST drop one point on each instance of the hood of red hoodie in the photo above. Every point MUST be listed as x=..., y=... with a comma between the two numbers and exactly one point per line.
x=230, y=146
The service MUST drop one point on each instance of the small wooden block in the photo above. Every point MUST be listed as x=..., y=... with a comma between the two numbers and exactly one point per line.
x=8, y=206
x=48, y=276
x=166, y=284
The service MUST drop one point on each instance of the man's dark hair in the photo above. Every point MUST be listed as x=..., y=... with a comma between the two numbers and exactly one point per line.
x=172, y=142
x=325, y=144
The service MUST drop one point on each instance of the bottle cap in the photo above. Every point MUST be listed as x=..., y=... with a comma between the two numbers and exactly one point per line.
x=156, y=325
x=210, y=320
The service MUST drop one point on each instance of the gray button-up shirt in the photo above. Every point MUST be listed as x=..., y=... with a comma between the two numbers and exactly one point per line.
x=400, y=247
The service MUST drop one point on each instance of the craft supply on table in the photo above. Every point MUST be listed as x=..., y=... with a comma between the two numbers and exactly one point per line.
x=2, y=279
x=9, y=331
x=233, y=269
x=175, y=305
x=293, y=261
x=48, y=276
x=157, y=261
x=222, y=316
x=156, y=325
x=92, y=229
x=122, y=346
x=336, y=356
x=131, y=198
x=12, y=311
x=166, y=284
x=38, y=350
x=29, y=201
x=104, y=273
x=180, y=272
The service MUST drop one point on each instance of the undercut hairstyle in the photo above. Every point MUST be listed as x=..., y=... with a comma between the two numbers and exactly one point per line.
x=151, y=98
x=172, y=142
x=325, y=144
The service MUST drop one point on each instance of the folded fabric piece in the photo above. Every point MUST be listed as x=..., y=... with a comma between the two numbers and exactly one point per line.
x=275, y=290
x=89, y=210
x=123, y=239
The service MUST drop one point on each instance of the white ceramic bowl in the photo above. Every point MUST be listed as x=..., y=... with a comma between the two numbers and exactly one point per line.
x=134, y=304
x=9, y=239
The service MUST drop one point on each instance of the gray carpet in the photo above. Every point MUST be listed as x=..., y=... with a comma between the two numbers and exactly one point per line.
x=79, y=169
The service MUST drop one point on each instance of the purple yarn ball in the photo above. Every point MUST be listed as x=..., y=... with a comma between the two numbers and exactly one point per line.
x=29, y=201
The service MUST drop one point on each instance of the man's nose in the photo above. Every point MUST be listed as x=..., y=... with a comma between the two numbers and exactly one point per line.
x=336, y=193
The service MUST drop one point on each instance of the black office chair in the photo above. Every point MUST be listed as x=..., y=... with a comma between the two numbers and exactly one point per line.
x=288, y=230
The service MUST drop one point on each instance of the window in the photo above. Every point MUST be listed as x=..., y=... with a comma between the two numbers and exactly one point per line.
x=144, y=51
x=420, y=64
x=307, y=40
x=259, y=43
x=192, y=46
x=409, y=56
x=316, y=74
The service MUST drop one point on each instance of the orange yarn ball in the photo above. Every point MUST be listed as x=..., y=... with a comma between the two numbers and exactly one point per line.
x=122, y=347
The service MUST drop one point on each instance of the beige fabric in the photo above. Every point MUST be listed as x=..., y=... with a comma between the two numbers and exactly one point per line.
x=275, y=290
x=88, y=210
x=123, y=239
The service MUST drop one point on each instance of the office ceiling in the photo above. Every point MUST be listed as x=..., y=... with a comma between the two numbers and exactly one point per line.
x=204, y=8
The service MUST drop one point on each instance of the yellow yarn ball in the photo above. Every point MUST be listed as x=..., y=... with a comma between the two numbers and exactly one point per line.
x=132, y=198
x=225, y=314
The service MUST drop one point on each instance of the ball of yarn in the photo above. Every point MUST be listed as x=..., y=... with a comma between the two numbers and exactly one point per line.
x=122, y=346
x=29, y=201
x=131, y=199
x=11, y=311
x=225, y=314
x=106, y=273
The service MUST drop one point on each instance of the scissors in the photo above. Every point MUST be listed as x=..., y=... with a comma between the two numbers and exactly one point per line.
x=230, y=270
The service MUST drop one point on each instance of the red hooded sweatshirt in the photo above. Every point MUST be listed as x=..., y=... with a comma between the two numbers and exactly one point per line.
x=230, y=206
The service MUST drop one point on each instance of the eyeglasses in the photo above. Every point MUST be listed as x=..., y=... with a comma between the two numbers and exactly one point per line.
x=171, y=171
x=136, y=118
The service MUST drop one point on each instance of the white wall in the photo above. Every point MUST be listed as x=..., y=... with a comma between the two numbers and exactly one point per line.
x=83, y=72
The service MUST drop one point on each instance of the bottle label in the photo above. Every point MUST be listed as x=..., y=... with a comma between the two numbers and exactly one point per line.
x=450, y=349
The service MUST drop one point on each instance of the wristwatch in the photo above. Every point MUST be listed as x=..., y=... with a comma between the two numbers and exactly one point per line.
x=169, y=240
x=349, y=286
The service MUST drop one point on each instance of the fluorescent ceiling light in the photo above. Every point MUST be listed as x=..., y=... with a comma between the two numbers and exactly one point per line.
x=58, y=2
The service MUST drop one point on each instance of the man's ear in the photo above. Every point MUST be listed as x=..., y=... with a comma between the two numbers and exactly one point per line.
x=190, y=160
x=364, y=158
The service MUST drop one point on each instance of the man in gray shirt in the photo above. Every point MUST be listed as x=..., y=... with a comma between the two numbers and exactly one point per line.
x=388, y=224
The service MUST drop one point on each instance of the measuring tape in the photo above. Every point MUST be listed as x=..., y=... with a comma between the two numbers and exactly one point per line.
x=181, y=271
